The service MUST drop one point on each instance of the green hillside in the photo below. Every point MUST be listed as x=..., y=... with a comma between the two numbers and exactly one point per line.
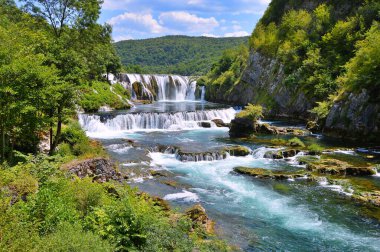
x=174, y=54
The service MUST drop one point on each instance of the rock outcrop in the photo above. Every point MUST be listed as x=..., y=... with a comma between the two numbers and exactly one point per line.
x=100, y=169
x=198, y=216
x=356, y=116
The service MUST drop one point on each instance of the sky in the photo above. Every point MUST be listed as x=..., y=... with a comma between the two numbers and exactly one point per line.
x=140, y=19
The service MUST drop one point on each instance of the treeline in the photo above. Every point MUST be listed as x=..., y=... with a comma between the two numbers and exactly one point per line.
x=326, y=48
x=49, y=52
x=174, y=54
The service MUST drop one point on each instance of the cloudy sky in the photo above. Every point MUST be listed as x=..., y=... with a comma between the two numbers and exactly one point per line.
x=139, y=19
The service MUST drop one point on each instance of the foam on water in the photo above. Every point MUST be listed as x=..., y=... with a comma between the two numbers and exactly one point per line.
x=96, y=126
x=183, y=196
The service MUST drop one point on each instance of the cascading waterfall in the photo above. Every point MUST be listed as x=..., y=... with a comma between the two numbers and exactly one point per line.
x=153, y=121
x=159, y=87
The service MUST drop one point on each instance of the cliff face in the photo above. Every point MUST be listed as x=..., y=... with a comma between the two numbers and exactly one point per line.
x=262, y=82
x=356, y=116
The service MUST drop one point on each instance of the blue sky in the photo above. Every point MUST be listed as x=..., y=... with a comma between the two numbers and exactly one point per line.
x=139, y=19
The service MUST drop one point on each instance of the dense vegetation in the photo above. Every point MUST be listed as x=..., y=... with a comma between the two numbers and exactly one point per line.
x=44, y=208
x=46, y=59
x=52, y=58
x=326, y=47
x=174, y=54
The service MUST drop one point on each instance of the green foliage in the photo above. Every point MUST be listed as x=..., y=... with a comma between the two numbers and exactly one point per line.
x=226, y=72
x=252, y=112
x=315, y=148
x=322, y=110
x=363, y=70
x=174, y=54
x=99, y=94
x=44, y=59
x=296, y=142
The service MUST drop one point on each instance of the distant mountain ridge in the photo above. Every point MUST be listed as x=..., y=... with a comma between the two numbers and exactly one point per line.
x=181, y=55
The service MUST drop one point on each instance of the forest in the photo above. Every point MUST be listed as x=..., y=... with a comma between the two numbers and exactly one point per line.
x=188, y=56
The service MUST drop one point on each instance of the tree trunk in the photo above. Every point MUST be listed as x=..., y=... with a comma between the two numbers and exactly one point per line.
x=57, y=137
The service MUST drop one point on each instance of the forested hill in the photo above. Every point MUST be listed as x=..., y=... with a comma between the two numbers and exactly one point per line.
x=174, y=54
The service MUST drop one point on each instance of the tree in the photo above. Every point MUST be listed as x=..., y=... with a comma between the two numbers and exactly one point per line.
x=65, y=13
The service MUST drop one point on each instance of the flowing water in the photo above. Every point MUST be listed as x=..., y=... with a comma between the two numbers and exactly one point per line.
x=254, y=214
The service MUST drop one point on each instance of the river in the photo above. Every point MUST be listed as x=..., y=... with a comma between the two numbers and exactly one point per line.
x=254, y=214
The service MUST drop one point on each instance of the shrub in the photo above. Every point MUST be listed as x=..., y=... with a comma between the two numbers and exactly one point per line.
x=71, y=237
x=296, y=142
x=252, y=112
x=315, y=148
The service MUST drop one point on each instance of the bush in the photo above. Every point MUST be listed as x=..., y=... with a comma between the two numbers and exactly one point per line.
x=315, y=148
x=252, y=112
x=71, y=237
x=296, y=142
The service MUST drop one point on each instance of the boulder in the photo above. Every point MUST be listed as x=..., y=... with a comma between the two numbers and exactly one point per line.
x=238, y=151
x=273, y=155
x=242, y=127
x=100, y=169
x=198, y=216
x=220, y=123
x=205, y=124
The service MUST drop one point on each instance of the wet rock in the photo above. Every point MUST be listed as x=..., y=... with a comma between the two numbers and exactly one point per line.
x=242, y=127
x=268, y=174
x=220, y=123
x=337, y=167
x=198, y=216
x=238, y=151
x=200, y=156
x=372, y=198
x=267, y=129
x=273, y=155
x=205, y=124
x=100, y=169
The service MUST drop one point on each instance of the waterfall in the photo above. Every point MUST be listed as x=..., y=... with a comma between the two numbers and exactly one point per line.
x=203, y=94
x=153, y=121
x=159, y=87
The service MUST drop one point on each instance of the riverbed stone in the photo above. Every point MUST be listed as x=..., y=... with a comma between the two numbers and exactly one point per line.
x=238, y=151
x=268, y=174
x=198, y=216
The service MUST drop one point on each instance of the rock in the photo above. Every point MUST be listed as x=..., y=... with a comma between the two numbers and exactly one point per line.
x=267, y=129
x=313, y=126
x=355, y=116
x=337, y=167
x=372, y=198
x=205, y=124
x=242, y=127
x=200, y=156
x=220, y=123
x=264, y=173
x=198, y=216
x=238, y=151
x=273, y=155
x=100, y=169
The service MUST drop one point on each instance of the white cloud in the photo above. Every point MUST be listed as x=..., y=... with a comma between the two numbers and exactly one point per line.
x=195, y=2
x=184, y=21
x=137, y=21
x=237, y=34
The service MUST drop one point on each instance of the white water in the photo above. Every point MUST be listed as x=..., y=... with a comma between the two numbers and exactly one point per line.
x=160, y=87
x=153, y=121
x=239, y=196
